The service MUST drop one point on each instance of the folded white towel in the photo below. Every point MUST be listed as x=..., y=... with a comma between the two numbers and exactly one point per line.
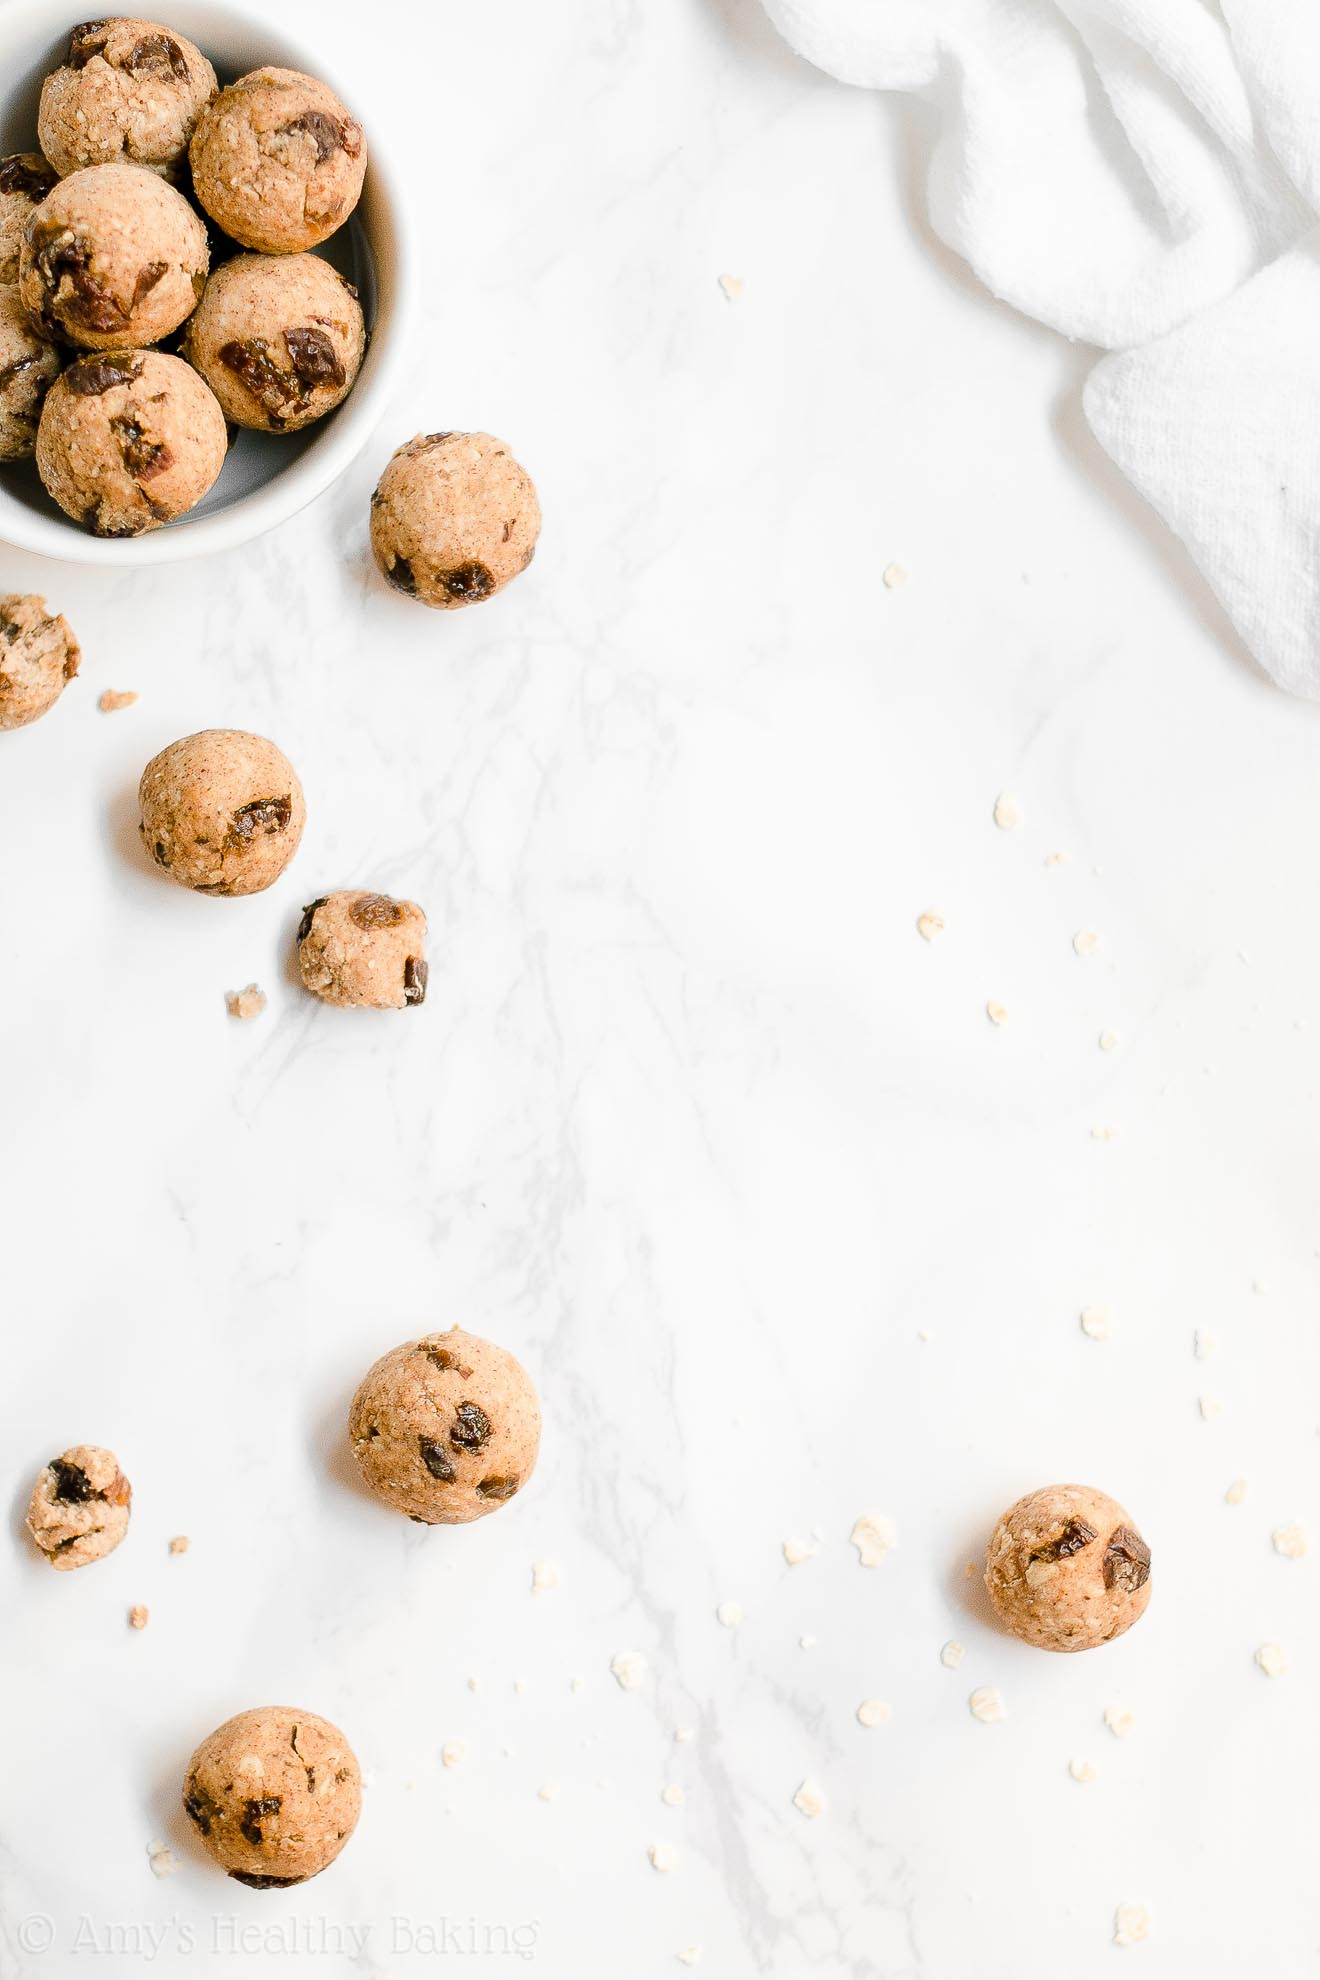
x=1144, y=175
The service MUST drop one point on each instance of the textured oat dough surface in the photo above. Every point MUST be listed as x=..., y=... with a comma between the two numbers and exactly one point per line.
x=453, y=519
x=277, y=161
x=222, y=811
x=38, y=656
x=273, y=1795
x=360, y=948
x=446, y=1427
x=112, y=258
x=29, y=365
x=1066, y=1569
x=25, y=179
x=79, y=1507
x=127, y=90
x=129, y=440
x=278, y=338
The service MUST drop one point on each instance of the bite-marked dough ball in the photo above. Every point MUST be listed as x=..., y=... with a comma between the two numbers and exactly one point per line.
x=25, y=179
x=359, y=948
x=38, y=657
x=113, y=258
x=279, y=339
x=222, y=811
x=446, y=1428
x=274, y=1795
x=29, y=365
x=129, y=440
x=454, y=519
x=129, y=89
x=1066, y=1569
x=79, y=1507
x=278, y=161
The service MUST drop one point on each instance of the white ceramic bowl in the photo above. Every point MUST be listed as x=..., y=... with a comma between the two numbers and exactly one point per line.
x=266, y=477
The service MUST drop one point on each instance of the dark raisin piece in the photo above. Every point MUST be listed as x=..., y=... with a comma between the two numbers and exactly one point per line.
x=253, y=1812
x=415, y=974
x=73, y=294
x=263, y=816
x=471, y=1428
x=156, y=53
x=33, y=181
x=400, y=575
x=308, y=916
x=86, y=41
x=327, y=133
x=314, y=359
x=437, y=1460
x=199, y=1808
x=1076, y=1535
x=424, y=443
x=72, y=1485
x=375, y=911
x=269, y=383
x=498, y=1488
x=142, y=457
x=256, y=1883
x=93, y=375
x=147, y=278
x=311, y=1779
x=467, y=581
x=1127, y=1561
x=443, y=1359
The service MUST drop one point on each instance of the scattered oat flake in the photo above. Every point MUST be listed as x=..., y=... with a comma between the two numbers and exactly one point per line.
x=682, y=1734
x=1094, y=1323
x=520, y=1686
x=1259, y=1286
x=545, y=1574
x=996, y=1012
x=810, y=1799
x=663, y=1856
x=952, y=1655
x=474, y=1684
x=162, y=1859
x=577, y=1686
x=454, y=1753
x=629, y=1670
x=874, y=1712
x=1104, y=1134
x=1290, y=1541
x=672, y=1795
x=873, y=1535
x=113, y=699
x=690, y=1955
x=1008, y=812
x=733, y=286
x=987, y=1705
x=246, y=1004
x=548, y=1791
x=1271, y=1660
x=1236, y=1492
x=1205, y=1345
x=797, y=1551
x=1085, y=942
x=1057, y=859
x=1131, y=1924
x=1119, y=1720
x=930, y=925
x=1210, y=1407
x=180, y=1544
x=1109, y=1041
x=1081, y=1770
x=139, y=1616
x=806, y=1642
x=729, y=1614
x=894, y=575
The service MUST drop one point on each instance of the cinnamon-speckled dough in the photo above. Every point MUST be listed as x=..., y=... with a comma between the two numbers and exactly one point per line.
x=112, y=259
x=29, y=365
x=222, y=811
x=25, y=179
x=38, y=656
x=360, y=948
x=278, y=161
x=446, y=1427
x=278, y=338
x=1066, y=1569
x=454, y=519
x=274, y=1795
x=129, y=440
x=79, y=1507
x=128, y=89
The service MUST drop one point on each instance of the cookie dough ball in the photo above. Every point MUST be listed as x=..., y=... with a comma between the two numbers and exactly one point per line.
x=366, y=949
x=446, y=1428
x=38, y=656
x=1066, y=1569
x=128, y=90
x=129, y=440
x=79, y=1507
x=274, y=1795
x=222, y=811
x=25, y=179
x=112, y=258
x=279, y=340
x=277, y=161
x=29, y=365
x=453, y=519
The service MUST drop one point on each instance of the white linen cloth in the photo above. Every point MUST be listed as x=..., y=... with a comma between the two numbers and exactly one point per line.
x=1144, y=175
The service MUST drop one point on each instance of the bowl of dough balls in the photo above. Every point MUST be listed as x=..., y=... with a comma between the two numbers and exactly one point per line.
x=204, y=282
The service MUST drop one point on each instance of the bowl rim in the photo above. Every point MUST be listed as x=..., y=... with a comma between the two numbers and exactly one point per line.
x=290, y=489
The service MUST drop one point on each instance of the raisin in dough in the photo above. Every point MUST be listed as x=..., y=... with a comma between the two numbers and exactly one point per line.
x=453, y=519
x=29, y=366
x=274, y=1795
x=79, y=1507
x=38, y=657
x=222, y=812
x=25, y=179
x=278, y=338
x=359, y=948
x=113, y=258
x=129, y=440
x=277, y=161
x=128, y=89
x=446, y=1428
x=1066, y=1569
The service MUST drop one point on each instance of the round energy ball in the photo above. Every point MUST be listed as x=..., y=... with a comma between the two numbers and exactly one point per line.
x=359, y=948
x=29, y=366
x=279, y=340
x=274, y=1795
x=1066, y=1569
x=128, y=89
x=113, y=258
x=277, y=161
x=446, y=1428
x=453, y=519
x=79, y=1507
x=38, y=657
x=222, y=811
x=129, y=440
x=25, y=179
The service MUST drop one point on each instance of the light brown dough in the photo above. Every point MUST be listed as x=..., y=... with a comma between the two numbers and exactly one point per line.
x=129, y=89
x=446, y=1428
x=25, y=179
x=79, y=1508
x=38, y=657
x=453, y=519
x=277, y=161
x=129, y=440
x=274, y=1795
x=278, y=338
x=1066, y=1569
x=222, y=811
x=360, y=948
x=112, y=259
x=29, y=366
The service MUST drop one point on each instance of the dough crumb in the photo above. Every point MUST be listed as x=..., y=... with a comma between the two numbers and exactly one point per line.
x=1008, y=812
x=733, y=286
x=1236, y=1492
x=1210, y=1407
x=672, y=1795
x=162, y=1859
x=874, y=1536
x=929, y=925
x=730, y=1614
x=893, y=576
x=1290, y=1541
x=1094, y=1323
x=1205, y=1345
x=952, y=1655
x=810, y=1799
x=180, y=1544
x=545, y=1574
x=629, y=1670
x=139, y=1616
x=663, y=1856
x=797, y=1551
x=454, y=1752
x=996, y=1012
x=987, y=1705
x=1081, y=1770
x=1109, y=1041
x=1271, y=1660
x=874, y=1712
x=245, y=1004
x=113, y=699
x=1119, y=1720
x=1085, y=942
x=1131, y=1924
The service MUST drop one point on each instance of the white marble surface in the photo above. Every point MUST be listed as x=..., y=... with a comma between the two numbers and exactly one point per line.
x=693, y=1120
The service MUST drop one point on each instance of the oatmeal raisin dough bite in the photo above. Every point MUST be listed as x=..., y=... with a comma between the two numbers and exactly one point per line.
x=278, y=338
x=112, y=259
x=129, y=440
x=277, y=161
x=273, y=1795
x=222, y=812
x=38, y=658
x=127, y=90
